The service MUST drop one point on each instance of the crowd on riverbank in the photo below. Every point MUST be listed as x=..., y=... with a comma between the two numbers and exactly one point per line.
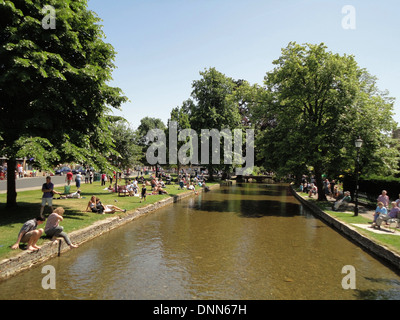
x=385, y=214
x=139, y=187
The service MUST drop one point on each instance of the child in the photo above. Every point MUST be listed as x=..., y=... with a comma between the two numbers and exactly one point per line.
x=144, y=190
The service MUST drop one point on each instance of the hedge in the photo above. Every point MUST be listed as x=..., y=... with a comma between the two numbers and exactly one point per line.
x=373, y=186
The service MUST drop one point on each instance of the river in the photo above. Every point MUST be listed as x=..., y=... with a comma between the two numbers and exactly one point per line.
x=247, y=241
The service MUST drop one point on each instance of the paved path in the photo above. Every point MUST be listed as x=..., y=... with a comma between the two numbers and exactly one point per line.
x=369, y=214
x=32, y=183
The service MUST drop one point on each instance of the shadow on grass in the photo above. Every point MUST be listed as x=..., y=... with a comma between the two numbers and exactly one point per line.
x=26, y=211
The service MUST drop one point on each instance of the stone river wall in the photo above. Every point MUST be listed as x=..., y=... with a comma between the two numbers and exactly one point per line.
x=25, y=260
x=380, y=251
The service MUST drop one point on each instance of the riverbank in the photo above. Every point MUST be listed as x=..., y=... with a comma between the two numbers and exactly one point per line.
x=383, y=244
x=24, y=260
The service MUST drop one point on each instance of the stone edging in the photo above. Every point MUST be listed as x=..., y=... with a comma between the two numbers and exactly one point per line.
x=25, y=260
x=365, y=243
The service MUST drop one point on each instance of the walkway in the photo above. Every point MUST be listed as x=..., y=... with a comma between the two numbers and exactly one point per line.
x=368, y=214
x=35, y=183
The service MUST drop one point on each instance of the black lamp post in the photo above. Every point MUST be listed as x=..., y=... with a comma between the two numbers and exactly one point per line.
x=358, y=144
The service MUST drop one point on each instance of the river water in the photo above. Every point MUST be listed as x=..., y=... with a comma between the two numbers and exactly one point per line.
x=248, y=241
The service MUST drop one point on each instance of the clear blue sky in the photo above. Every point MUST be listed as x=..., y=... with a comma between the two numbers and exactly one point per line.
x=162, y=45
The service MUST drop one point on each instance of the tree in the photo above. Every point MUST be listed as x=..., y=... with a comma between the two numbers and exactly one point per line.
x=180, y=115
x=212, y=108
x=54, y=96
x=146, y=125
x=129, y=152
x=318, y=103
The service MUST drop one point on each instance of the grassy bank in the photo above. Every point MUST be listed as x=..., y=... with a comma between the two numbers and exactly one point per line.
x=75, y=216
x=391, y=241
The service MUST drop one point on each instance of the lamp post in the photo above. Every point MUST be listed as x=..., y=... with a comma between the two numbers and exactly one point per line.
x=358, y=144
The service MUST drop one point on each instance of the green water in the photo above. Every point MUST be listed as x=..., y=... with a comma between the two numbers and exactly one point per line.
x=249, y=241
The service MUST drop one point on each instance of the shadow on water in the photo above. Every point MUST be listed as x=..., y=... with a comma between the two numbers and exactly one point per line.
x=250, y=201
x=251, y=208
x=393, y=294
x=250, y=192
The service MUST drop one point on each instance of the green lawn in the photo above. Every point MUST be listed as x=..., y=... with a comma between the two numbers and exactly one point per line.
x=75, y=216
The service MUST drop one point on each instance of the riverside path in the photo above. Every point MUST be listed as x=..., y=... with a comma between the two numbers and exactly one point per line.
x=32, y=183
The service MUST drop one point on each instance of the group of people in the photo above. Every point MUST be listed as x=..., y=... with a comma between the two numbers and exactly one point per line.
x=331, y=188
x=96, y=206
x=132, y=187
x=89, y=176
x=30, y=235
x=185, y=181
x=382, y=213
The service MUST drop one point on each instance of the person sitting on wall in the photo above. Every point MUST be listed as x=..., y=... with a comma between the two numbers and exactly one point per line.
x=29, y=234
x=342, y=202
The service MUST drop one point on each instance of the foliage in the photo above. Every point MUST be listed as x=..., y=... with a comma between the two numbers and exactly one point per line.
x=129, y=152
x=54, y=95
x=316, y=104
x=147, y=124
x=214, y=107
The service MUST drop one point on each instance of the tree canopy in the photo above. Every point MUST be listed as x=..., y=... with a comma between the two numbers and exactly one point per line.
x=54, y=92
x=317, y=104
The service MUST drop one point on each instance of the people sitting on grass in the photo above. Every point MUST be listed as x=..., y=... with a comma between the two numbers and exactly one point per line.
x=29, y=234
x=92, y=205
x=380, y=210
x=133, y=190
x=313, y=190
x=54, y=230
x=74, y=195
x=340, y=204
x=393, y=214
x=159, y=190
x=154, y=183
x=101, y=208
x=110, y=209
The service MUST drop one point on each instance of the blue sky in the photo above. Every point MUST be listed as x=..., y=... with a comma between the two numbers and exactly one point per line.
x=162, y=45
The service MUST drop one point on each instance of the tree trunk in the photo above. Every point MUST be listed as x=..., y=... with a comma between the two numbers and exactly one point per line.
x=320, y=184
x=11, y=185
x=210, y=172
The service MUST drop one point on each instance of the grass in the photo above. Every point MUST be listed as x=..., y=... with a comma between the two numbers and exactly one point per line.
x=390, y=241
x=75, y=216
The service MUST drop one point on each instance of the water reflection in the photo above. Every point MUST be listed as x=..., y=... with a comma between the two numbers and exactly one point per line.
x=248, y=241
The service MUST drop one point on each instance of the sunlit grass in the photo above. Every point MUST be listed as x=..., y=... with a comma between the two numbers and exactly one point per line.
x=75, y=216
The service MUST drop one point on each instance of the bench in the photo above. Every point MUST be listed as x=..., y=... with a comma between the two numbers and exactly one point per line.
x=391, y=221
x=366, y=200
x=123, y=190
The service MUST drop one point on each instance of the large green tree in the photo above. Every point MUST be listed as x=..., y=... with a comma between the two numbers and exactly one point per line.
x=214, y=108
x=126, y=144
x=148, y=124
x=54, y=94
x=316, y=104
x=180, y=117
